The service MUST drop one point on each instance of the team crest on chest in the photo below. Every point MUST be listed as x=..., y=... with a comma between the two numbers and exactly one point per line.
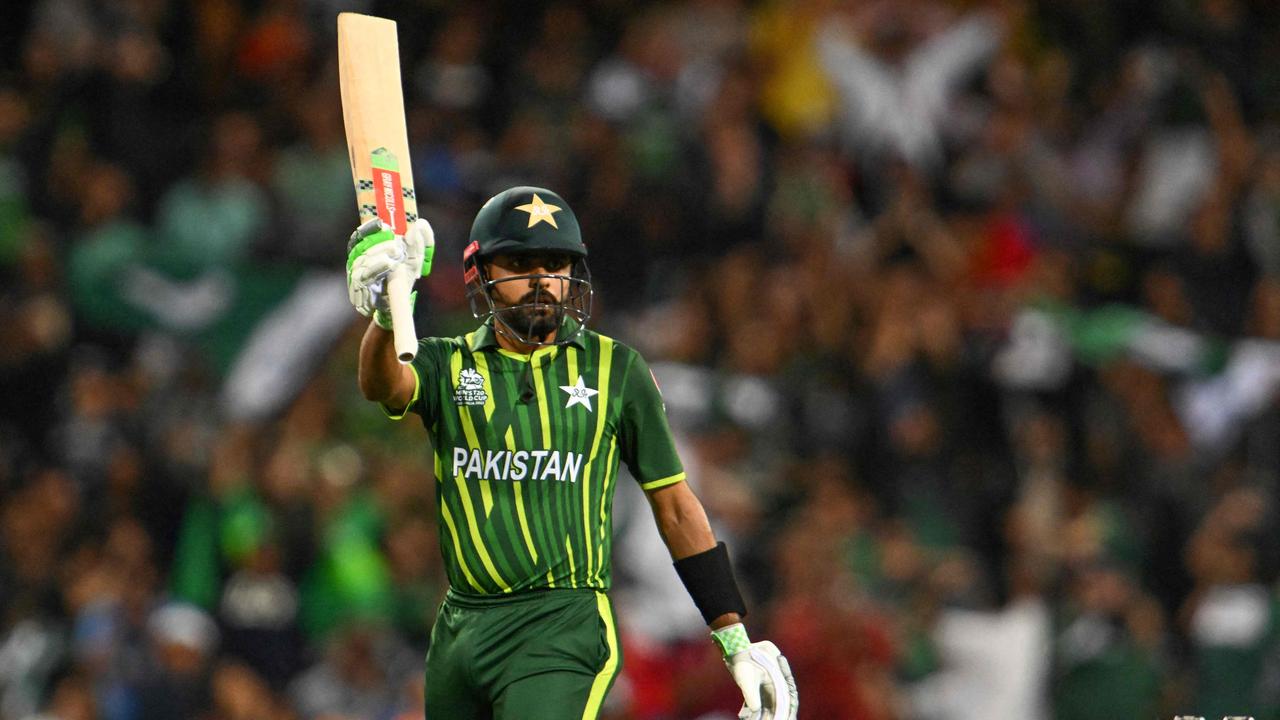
x=470, y=388
x=579, y=394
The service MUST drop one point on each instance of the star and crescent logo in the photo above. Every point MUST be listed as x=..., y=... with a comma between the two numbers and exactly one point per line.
x=540, y=212
x=579, y=394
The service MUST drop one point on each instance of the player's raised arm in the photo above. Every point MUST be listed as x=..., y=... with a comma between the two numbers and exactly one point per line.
x=374, y=253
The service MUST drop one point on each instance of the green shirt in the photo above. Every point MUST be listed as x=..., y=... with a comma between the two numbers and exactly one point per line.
x=526, y=455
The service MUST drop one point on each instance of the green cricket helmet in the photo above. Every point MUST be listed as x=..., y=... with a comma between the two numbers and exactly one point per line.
x=529, y=221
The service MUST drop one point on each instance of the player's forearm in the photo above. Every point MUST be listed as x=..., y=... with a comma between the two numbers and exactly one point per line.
x=684, y=527
x=688, y=534
x=681, y=521
x=379, y=372
x=703, y=566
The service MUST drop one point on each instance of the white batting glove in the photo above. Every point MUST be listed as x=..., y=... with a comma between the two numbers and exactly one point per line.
x=373, y=253
x=762, y=673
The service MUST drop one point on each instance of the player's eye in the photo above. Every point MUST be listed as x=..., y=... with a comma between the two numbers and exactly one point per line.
x=517, y=263
x=548, y=263
x=556, y=262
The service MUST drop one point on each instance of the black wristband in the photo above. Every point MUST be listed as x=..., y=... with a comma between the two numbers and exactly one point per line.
x=708, y=577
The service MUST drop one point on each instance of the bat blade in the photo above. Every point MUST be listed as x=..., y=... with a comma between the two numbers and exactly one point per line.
x=378, y=145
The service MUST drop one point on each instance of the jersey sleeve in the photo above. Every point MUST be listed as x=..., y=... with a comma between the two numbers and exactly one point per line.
x=425, y=367
x=645, y=438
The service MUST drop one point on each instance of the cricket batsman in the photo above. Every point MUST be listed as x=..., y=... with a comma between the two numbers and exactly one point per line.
x=529, y=416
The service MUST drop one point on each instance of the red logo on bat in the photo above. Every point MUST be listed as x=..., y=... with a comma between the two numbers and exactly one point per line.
x=386, y=186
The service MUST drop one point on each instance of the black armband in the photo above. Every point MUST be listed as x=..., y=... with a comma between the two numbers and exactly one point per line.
x=708, y=577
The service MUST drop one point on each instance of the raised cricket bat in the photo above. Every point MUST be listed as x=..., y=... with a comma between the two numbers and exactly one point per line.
x=378, y=144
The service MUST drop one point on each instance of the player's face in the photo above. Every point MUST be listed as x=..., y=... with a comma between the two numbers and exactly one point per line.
x=528, y=298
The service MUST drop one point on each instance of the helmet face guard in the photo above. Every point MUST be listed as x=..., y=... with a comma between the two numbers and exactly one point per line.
x=538, y=314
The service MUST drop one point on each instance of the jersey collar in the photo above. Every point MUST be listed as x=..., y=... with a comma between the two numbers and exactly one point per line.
x=484, y=337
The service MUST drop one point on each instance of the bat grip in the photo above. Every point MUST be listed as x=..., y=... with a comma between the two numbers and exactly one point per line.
x=399, y=285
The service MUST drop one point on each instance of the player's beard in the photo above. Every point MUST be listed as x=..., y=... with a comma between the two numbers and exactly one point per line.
x=535, y=316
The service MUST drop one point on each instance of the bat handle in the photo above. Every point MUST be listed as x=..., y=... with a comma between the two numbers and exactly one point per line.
x=399, y=285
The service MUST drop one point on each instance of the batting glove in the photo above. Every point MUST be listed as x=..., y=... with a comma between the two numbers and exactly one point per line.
x=374, y=251
x=761, y=672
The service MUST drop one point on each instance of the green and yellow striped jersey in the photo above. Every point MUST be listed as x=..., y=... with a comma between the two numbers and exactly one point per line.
x=526, y=455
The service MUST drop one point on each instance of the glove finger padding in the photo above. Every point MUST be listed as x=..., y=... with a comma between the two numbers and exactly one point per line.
x=374, y=252
x=768, y=688
x=781, y=686
x=792, y=691
x=366, y=284
x=361, y=299
x=420, y=247
x=749, y=678
x=370, y=264
x=377, y=261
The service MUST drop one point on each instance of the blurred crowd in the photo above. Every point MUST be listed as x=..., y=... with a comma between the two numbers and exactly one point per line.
x=966, y=313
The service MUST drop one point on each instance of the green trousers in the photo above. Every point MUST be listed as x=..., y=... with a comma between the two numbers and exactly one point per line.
x=539, y=655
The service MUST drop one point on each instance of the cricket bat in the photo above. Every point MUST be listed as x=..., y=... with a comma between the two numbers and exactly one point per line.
x=378, y=145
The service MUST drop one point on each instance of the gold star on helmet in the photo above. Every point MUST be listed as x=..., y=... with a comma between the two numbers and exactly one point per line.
x=540, y=212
